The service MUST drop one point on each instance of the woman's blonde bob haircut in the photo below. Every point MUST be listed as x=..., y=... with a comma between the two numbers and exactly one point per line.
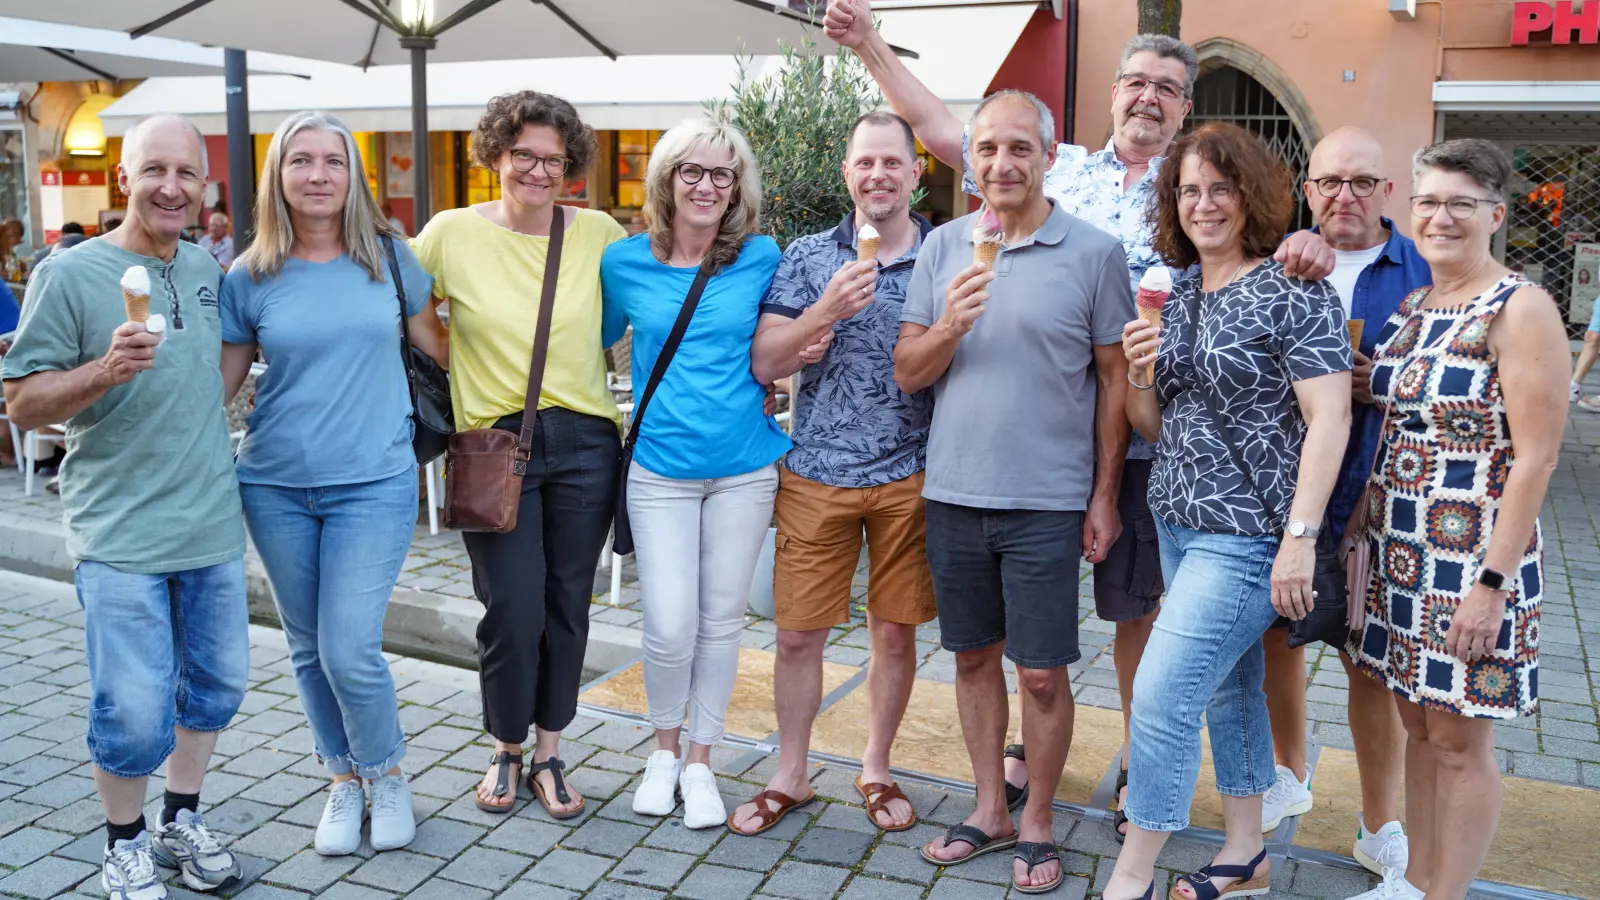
x=743, y=217
x=362, y=223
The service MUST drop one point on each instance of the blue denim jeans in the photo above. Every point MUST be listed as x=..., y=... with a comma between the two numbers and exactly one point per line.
x=1205, y=656
x=332, y=555
x=164, y=650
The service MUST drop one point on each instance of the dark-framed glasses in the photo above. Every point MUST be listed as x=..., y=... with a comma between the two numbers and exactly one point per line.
x=1425, y=207
x=554, y=166
x=692, y=173
x=1361, y=186
x=1136, y=84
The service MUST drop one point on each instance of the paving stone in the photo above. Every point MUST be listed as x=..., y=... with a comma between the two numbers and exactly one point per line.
x=440, y=889
x=621, y=809
x=275, y=841
x=616, y=762
x=598, y=785
x=1326, y=881
x=616, y=890
x=239, y=816
x=398, y=870
x=443, y=737
x=951, y=888
x=272, y=722
x=672, y=835
x=832, y=846
x=525, y=836
x=18, y=748
x=35, y=770
x=903, y=863
x=282, y=789
x=81, y=816
x=847, y=817
x=14, y=815
x=806, y=880
x=865, y=887
x=486, y=868
x=444, y=838
x=344, y=890
x=268, y=892
x=1549, y=768
x=607, y=837
x=310, y=871
x=59, y=791
x=709, y=882
x=533, y=890
x=45, y=878
x=761, y=854
x=28, y=844
x=260, y=763
x=565, y=868
x=656, y=868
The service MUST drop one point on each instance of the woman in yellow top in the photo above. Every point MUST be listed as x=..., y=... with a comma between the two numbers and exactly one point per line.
x=535, y=582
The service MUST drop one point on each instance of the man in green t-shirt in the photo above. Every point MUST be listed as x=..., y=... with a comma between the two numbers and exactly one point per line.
x=151, y=503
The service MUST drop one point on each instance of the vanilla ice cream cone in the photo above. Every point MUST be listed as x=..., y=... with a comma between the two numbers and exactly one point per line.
x=136, y=293
x=985, y=253
x=867, y=244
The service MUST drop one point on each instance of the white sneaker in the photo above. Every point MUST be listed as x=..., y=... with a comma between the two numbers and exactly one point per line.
x=1393, y=888
x=129, y=871
x=1288, y=797
x=1573, y=392
x=658, y=791
x=1384, y=852
x=339, y=832
x=702, y=802
x=394, y=822
x=186, y=844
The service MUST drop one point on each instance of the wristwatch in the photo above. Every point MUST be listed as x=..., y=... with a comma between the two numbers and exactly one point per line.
x=1489, y=578
x=1300, y=529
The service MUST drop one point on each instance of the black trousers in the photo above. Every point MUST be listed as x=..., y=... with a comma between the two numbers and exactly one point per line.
x=536, y=580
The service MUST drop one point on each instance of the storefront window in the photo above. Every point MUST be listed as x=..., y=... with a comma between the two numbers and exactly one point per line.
x=13, y=178
x=627, y=167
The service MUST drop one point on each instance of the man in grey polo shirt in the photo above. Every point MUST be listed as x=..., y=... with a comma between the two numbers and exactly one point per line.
x=1021, y=359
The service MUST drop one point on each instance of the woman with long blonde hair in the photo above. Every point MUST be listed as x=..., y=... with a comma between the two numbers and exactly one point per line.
x=326, y=470
x=703, y=478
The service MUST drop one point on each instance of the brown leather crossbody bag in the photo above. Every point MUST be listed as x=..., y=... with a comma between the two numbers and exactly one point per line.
x=483, y=482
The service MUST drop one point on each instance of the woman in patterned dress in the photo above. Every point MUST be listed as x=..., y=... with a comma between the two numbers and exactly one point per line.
x=1270, y=356
x=1451, y=513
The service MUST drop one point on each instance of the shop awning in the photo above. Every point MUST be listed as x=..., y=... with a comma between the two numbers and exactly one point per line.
x=44, y=51
x=1516, y=96
x=960, y=49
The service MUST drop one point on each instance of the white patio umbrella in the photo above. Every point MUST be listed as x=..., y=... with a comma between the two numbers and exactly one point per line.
x=366, y=32
x=47, y=51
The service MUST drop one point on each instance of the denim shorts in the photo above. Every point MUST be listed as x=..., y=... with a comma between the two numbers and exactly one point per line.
x=1007, y=575
x=164, y=650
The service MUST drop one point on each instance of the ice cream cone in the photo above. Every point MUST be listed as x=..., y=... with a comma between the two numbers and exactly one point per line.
x=137, y=305
x=866, y=248
x=1151, y=317
x=984, y=253
x=1355, y=326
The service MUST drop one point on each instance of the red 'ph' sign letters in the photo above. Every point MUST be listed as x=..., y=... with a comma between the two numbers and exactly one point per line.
x=1528, y=19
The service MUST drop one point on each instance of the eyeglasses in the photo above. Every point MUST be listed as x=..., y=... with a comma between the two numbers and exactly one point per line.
x=1361, y=187
x=1458, y=207
x=1220, y=193
x=692, y=173
x=1136, y=84
x=554, y=166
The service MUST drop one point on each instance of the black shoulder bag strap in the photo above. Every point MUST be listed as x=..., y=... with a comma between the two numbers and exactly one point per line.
x=405, y=338
x=541, y=336
x=668, y=350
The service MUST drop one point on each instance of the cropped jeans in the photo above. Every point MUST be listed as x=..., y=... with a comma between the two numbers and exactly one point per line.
x=333, y=554
x=696, y=544
x=1204, y=656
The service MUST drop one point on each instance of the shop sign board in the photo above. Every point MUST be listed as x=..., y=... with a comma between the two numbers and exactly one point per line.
x=1585, y=283
x=72, y=197
x=1561, y=21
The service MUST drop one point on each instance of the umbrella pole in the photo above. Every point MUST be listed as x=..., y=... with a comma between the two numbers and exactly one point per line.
x=422, y=196
x=241, y=151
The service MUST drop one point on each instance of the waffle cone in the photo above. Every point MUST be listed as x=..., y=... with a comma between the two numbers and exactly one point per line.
x=1150, y=317
x=1356, y=326
x=984, y=253
x=137, y=305
x=866, y=248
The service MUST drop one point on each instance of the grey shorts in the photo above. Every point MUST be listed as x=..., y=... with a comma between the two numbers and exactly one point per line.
x=1127, y=583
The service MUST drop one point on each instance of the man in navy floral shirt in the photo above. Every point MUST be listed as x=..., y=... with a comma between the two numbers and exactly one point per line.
x=860, y=445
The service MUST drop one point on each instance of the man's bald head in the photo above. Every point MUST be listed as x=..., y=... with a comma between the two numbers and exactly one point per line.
x=139, y=136
x=1347, y=185
x=163, y=173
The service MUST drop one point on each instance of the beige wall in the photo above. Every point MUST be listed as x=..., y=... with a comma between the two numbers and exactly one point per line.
x=1311, y=43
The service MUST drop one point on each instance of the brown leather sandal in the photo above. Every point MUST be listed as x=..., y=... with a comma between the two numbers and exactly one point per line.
x=769, y=818
x=878, y=797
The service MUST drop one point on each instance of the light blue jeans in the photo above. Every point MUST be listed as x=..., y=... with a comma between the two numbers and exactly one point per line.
x=164, y=650
x=332, y=555
x=1204, y=656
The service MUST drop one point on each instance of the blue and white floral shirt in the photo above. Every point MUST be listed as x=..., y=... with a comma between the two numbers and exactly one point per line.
x=1089, y=185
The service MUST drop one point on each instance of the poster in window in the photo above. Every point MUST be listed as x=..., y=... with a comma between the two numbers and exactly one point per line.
x=575, y=189
x=1585, y=282
x=398, y=164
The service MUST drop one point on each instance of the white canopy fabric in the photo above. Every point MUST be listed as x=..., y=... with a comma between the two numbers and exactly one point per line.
x=350, y=31
x=46, y=51
x=1516, y=96
x=960, y=50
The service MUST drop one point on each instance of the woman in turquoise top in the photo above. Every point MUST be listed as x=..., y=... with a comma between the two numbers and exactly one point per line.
x=326, y=470
x=703, y=480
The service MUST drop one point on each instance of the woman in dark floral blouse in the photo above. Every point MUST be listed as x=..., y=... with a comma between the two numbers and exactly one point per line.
x=1250, y=409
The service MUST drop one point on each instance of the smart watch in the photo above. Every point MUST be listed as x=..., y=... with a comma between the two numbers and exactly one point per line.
x=1300, y=529
x=1489, y=578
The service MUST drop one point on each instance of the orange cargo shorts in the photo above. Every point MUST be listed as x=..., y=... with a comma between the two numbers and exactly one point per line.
x=819, y=544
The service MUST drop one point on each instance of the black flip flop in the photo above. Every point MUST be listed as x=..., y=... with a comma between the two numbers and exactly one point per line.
x=503, y=784
x=981, y=844
x=1120, y=815
x=554, y=766
x=1016, y=796
x=1036, y=853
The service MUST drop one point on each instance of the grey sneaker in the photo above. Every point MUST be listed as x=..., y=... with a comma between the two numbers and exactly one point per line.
x=394, y=822
x=339, y=832
x=188, y=846
x=129, y=871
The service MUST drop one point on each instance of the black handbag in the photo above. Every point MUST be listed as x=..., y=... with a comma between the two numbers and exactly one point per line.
x=1328, y=620
x=621, y=527
x=432, y=417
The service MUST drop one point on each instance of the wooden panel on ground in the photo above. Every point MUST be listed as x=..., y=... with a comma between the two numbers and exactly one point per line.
x=750, y=714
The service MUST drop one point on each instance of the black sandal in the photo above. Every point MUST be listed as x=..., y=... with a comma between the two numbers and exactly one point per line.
x=1120, y=815
x=1250, y=883
x=968, y=834
x=554, y=766
x=503, y=783
x=1036, y=853
x=1016, y=796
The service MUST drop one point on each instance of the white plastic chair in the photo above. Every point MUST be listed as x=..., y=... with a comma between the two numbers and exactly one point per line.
x=32, y=443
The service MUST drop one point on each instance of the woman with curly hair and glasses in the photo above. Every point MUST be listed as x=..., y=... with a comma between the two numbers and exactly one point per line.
x=704, y=475
x=535, y=581
x=1250, y=409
